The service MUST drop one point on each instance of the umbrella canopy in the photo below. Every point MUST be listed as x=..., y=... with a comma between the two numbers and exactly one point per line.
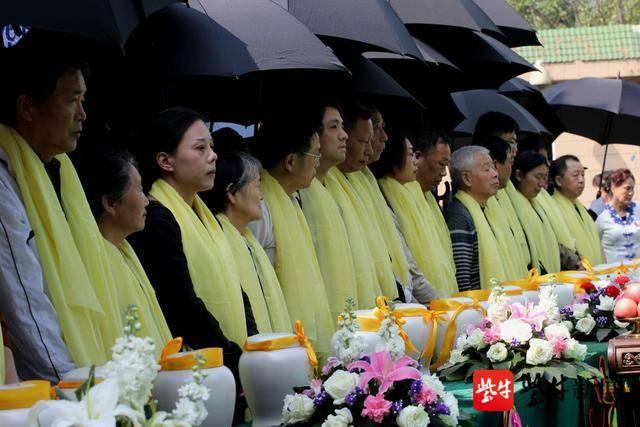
x=109, y=21
x=518, y=32
x=463, y=15
x=475, y=103
x=359, y=25
x=607, y=111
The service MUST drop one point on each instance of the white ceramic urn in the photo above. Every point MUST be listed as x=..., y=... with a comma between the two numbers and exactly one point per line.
x=219, y=381
x=466, y=318
x=15, y=417
x=268, y=376
x=415, y=326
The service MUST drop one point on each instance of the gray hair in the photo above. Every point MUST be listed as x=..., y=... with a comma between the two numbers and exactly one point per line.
x=464, y=160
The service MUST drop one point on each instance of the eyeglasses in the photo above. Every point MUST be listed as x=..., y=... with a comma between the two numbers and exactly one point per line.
x=314, y=155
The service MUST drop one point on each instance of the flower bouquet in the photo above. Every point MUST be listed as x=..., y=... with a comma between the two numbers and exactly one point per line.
x=591, y=316
x=530, y=340
x=123, y=398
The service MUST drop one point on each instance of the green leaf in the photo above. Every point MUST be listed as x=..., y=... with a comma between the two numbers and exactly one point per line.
x=84, y=388
x=502, y=365
x=475, y=367
x=551, y=374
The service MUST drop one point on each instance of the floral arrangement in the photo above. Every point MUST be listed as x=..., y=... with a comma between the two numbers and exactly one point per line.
x=591, y=315
x=373, y=390
x=530, y=340
x=348, y=344
x=124, y=397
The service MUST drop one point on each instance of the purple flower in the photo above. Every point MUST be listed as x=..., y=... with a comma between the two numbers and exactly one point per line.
x=514, y=343
x=442, y=409
x=568, y=310
x=320, y=399
x=415, y=387
x=351, y=398
x=602, y=321
x=396, y=407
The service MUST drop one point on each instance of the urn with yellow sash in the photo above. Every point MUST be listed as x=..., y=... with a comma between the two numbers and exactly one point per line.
x=17, y=399
x=270, y=366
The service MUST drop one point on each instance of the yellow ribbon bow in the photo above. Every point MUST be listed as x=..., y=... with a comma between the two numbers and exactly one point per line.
x=171, y=360
x=618, y=269
x=532, y=281
x=450, y=334
x=284, y=342
x=429, y=316
x=24, y=394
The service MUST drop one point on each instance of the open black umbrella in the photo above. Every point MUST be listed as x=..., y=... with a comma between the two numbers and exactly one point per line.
x=475, y=103
x=359, y=25
x=108, y=21
x=604, y=110
x=232, y=62
x=518, y=32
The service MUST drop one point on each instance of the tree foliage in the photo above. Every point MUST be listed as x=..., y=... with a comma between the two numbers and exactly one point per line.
x=542, y=14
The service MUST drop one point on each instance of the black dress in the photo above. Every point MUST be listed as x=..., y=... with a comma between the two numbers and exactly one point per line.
x=159, y=248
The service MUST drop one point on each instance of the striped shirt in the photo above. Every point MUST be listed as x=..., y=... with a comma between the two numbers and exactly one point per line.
x=464, y=239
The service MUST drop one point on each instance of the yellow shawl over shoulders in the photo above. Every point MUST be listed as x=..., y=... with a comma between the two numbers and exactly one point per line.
x=582, y=227
x=297, y=266
x=557, y=221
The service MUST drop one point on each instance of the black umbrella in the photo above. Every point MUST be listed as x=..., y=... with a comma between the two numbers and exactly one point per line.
x=518, y=32
x=108, y=21
x=475, y=103
x=606, y=111
x=241, y=60
x=445, y=14
x=359, y=25
x=532, y=99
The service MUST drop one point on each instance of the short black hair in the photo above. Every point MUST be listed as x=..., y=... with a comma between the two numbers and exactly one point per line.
x=392, y=157
x=227, y=139
x=104, y=173
x=558, y=167
x=491, y=122
x=525, y=162
x=499, y=149
x=162, y=134
x=354, y=112
x=34, y=73
x=280, y=136
x=429, y=140
x=531, y=143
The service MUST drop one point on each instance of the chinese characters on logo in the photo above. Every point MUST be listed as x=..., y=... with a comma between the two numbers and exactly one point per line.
x=493, y=390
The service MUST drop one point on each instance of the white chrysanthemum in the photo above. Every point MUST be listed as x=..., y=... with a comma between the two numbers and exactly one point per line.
x=549, y=304
x=433, y=382
x=454, y=412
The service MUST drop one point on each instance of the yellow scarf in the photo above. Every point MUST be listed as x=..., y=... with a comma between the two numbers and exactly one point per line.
x=367, y=187
x=297, y=266
x=330, y=239
x=258, y=279
x=72, y=253
x=581, y=227
x=209, y=258
x=543, y=245
x=372, y=264
x=360, y=221
x=514, y=223
x=418, y=228
x=514, y=263
x=491, y=264
x=556, y=219
x=134, y=288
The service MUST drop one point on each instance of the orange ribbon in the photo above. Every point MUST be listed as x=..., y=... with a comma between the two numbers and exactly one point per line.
x=429, y=316
x=382, y=310
x=24, y=394
x=284, y=342
x=72, y=385
x=450, y=333
x=532, y=281
x=172, y=360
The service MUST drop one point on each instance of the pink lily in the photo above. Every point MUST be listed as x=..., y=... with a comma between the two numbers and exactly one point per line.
x=529, y=314
x=385, y=371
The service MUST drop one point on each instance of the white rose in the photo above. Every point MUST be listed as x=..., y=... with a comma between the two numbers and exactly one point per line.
x=297, y=408
x=586, y=325
x=580, y=310
x=342, y=418
x=456, y=357
x=497, y=352
x=540, y=352
x=515, y=329
x=476, y=339
x=558, y=330
x=461, y=342
x=606, y=303
x=433, y=382
x=574, y=350
x=413, y=416
x=340, y=384
x=568, y=324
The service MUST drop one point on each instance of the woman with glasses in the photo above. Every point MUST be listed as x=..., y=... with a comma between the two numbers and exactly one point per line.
x=289, y=151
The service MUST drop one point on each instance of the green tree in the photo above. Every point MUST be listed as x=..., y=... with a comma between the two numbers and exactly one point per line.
x=543, y=14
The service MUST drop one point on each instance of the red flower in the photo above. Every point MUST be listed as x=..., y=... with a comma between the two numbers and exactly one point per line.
x=612, y=291
x=622, y=280
x=588, y=287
